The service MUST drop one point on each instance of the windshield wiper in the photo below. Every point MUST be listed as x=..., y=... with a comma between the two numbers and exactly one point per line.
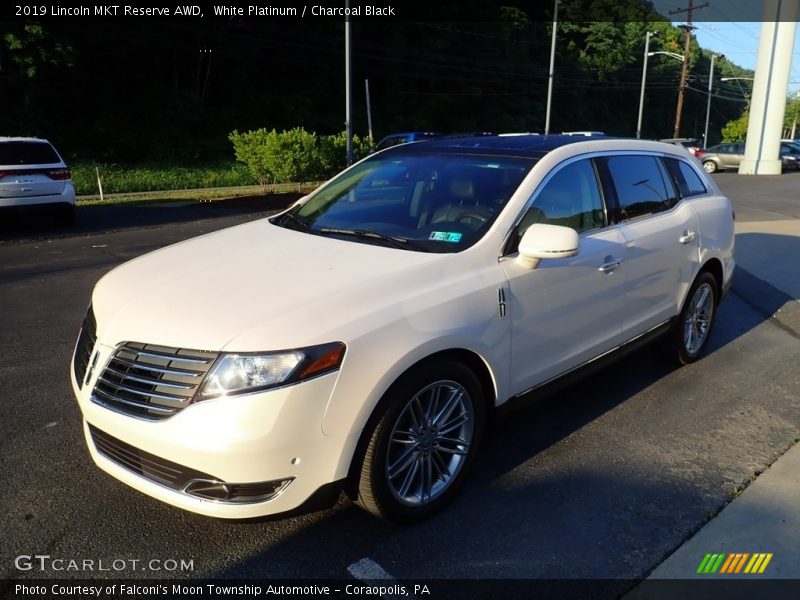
x=389, y=240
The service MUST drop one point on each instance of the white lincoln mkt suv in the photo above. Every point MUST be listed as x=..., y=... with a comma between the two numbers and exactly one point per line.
x=361, y=339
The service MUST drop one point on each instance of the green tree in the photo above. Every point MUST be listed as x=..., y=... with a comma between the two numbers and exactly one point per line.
x=736, y=130
x=30, y=48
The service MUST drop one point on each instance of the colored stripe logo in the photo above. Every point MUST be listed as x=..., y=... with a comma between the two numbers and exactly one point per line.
x=734, y=562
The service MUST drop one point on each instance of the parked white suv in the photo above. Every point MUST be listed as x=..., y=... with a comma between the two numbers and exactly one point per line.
x=33, y=173
x=360, y=339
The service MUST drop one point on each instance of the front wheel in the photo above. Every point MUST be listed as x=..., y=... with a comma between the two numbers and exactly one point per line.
x=422, y=443
x=693, y=327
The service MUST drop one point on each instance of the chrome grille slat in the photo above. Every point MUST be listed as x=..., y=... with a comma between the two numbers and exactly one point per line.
x=143, y=393
x=149, y=381
x=132, y=403
x=189, y=359
x=162, y=370
x=138, y=379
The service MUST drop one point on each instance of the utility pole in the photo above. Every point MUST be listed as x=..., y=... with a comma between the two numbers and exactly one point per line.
x=369, y=111
x=689, y=10
x=348, y=110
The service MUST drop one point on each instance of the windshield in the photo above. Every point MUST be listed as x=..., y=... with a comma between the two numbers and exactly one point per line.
x=423, y=202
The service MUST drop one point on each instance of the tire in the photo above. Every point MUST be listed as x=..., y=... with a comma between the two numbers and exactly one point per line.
x=421, y=442
x=710, y=166
x=691, y=332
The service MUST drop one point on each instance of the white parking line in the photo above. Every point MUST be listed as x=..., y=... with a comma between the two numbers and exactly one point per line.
x=368, y=570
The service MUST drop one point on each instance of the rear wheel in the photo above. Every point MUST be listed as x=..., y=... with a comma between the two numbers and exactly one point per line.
x=422, y=444
x=690, y=334
x=710, y=166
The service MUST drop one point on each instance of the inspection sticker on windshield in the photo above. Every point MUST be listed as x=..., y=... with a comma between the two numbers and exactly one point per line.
x=445, y=236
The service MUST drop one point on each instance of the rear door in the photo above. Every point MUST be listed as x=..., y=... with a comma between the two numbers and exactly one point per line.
x=661, y=239
x=29, y=168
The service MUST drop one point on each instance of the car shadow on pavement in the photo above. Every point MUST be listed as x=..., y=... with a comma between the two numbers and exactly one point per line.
x=31, y=223
x=769, y=277
x=599, y=480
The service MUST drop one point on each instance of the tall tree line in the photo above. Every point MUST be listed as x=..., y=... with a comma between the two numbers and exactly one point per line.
x=133, y=91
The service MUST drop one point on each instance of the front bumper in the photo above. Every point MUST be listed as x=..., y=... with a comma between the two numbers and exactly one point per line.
x=269, y=436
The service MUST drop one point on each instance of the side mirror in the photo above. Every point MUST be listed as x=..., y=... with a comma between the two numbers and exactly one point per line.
x=546, y=241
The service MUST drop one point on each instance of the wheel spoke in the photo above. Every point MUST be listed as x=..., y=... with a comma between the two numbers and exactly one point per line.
x=427, y=478
x=401, y=464
x=451, y=441
x=404, y=437
x=454, y=423
x=456, y=451
x=409, y=479
x=433, y=404
x=701, y=301
x=419, y=411
x=441, y=465
x=448, y=408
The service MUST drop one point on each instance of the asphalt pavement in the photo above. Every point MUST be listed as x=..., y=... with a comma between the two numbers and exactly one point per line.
x=761, y=525
x=603, y=481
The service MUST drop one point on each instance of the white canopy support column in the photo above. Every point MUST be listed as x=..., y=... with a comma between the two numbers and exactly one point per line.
x=770, y=86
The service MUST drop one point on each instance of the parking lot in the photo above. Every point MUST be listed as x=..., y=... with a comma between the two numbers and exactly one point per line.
x=603, y=480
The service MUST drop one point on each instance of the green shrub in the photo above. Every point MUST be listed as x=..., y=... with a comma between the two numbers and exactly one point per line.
x=295, y=155
x=124, y=179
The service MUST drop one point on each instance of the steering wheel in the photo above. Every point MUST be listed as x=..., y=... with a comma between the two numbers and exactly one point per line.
x=468, y=216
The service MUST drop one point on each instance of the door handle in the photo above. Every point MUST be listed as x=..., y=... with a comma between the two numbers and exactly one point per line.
x=687, y=237
x=609, y=265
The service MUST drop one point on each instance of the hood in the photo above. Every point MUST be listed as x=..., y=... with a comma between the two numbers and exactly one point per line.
x=204, y=293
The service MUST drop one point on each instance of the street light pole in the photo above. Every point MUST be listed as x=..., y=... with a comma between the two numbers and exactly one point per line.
x=552, y=65
x=737, y=80
x=644, y=79
x=708, y=105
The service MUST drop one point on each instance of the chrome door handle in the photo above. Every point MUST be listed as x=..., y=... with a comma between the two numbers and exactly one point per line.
x=687, y=237
x=609, y=265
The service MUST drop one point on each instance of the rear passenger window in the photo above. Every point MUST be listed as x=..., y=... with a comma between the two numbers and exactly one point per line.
x=571, y=198
x=688, y=181
x=641, y=184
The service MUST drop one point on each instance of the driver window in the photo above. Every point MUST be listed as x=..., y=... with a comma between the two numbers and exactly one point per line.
x=571, y=198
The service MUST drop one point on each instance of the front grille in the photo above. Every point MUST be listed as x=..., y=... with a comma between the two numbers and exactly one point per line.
x=151, y=382
x=149, y=466
x=84, y=347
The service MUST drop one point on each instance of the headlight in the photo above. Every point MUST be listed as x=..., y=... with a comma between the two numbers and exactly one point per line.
x=245, y=373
